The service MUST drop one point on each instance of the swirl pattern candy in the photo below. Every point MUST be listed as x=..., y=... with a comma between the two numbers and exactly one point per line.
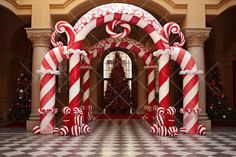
x=63, y=27
x=85, y=129
x=110, y=26
x=77, y=111
x=154, y=129
x=162, y=131
x=79, y=119
x=64, y=130
x=173, y=131
x=159, y=120
x=169, y=28
x=66, y=110
x=56, y=131
x=201, y=130
x=171, y=110
x=36, y=130
x=75, y=130
x=160, y=110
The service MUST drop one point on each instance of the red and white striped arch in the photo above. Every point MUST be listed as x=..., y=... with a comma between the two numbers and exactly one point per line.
x=134, y=46
x=76, y=35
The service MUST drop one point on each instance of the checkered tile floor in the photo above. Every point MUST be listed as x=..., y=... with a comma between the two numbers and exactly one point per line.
x=119, y=138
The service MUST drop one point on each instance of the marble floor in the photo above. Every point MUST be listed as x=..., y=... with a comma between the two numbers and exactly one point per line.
x=119, y=138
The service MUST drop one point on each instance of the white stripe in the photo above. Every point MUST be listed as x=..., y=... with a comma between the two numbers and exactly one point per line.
x=190, y=95
x=164, y=90
x=126, y=17
x=185, y=60
x=164, y=59
x=50, y=103
x=175, y=52
x=58, y=54
x=117, y=44
x=148, y=60
x=86, y=76
x=75, y=59
x=186, y=79
x=84, y=32
x=151, y=96
x=141, y=23
x=129, y=46
x=47, y=87
x=74, y=90
x=108, y=18
x=50, y=61
x=151, y=77
x=141, y=53
x=86, y=95
x=191, y=123
x=45, y=123
x=107, y=46
x=155, y=36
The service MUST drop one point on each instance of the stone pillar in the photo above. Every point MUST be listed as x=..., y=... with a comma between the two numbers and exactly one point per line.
x=40, y=38
x=195, y=38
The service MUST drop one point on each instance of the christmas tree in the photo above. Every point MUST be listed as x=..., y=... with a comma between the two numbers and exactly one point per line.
x=20, y=110
x=117, y=96
x=217, y=106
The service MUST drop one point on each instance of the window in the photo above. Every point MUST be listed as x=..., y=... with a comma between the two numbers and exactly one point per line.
x=108, y=64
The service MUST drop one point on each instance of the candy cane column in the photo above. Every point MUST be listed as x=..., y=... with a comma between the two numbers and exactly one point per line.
x=151, y=90
x=86, y=100
x=74, y=91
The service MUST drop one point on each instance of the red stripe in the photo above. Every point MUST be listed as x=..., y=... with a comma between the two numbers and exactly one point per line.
x=75, y=102
x=190, y=85
x=62, y=50
x=46, y=65
x=159, y=45
x=134, y=20
x=45, y=79
x=117, y=16
x=74, y=74
x=47, y=96
x=124, y=44
x=86, y=85
x=193, y=130
x=165, y=101
x=77, y=44
x=163, y=74
x=190, y=64
x=149, y=29
x=180, y=56
x=54, y=58
x=192, y=103
x=100, y=21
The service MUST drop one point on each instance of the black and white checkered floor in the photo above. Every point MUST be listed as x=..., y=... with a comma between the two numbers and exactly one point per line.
x=119, y=138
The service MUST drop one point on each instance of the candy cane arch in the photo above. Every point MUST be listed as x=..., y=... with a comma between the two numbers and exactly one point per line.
x=190, y=86
x=75, y=35
x=128, y=44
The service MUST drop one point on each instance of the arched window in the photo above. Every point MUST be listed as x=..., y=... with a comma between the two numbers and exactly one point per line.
x=108, y=64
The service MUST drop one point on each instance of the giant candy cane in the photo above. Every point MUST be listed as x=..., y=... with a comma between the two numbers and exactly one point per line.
x=190, y=86
x=164, y=62
x=48, y=87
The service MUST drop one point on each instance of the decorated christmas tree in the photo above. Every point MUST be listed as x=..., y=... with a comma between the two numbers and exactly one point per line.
x=20, y=110
x=217, y=106
x=117, y=96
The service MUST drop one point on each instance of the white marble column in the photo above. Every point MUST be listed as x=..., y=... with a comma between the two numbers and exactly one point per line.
x=40, y=38
x=195, y=38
